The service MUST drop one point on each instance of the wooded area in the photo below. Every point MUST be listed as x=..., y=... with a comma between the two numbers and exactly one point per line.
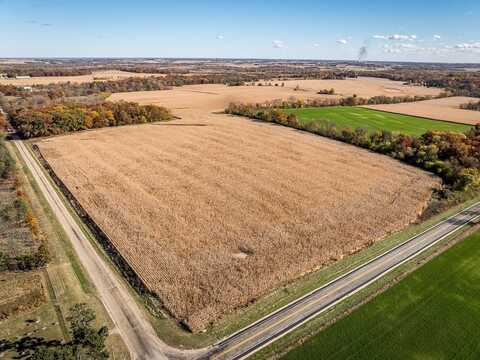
x=69, y=117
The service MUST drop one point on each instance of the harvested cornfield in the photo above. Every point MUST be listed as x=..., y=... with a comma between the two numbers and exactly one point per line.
x=214, y=211
x=447, y=109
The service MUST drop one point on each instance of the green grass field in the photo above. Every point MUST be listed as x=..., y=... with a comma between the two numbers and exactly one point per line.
x=373, y=120
x=434, y=313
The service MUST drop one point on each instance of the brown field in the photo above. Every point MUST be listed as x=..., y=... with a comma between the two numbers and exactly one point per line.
x=217, y=97
x=363, y=87
x=214, y=211
x=447, y=109
x=98, y=75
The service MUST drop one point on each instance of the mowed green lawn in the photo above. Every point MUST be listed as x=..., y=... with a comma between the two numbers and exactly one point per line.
x=434, y=313
x=373, y=120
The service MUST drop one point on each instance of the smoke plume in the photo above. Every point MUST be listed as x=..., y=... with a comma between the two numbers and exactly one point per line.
x=362, y=53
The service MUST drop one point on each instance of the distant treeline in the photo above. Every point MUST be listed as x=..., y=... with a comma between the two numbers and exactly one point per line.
x=471, y=106
x=68, y=89
x=61, y=90
x=455, y=157
x=459, y=83
x=70, y=117
x=46, y=71
x=65, y=90
x=347, y=101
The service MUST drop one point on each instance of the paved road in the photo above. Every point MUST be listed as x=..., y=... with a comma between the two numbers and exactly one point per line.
x=274, y=326
x=138, y=333
x=129, y=320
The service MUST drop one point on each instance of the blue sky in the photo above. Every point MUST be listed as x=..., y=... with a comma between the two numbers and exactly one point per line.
x=404, y=30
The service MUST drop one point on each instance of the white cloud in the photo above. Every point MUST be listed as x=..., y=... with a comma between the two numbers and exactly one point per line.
x=392, y=51
x=409, y=48
x=220, y=37
x=402, y=47
x=437, y=37
x=316, y=45
x=468, y=46
x=278, y=44
x=342, y=41
x=402, y=37
x=396, y=37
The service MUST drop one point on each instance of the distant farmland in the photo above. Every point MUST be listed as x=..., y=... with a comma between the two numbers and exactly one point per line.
x=213, y=211
x=432, y=314
x=215, y=97
x=372, y=120
x=97, y=75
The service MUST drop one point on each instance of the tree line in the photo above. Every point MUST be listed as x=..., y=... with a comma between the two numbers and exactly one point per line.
x=354, y=100
x=459, y=83
x=69, y=117
x=151, y=83
x=471, y=106
x=68, y=89
x=44, y=71
x=455, y=157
